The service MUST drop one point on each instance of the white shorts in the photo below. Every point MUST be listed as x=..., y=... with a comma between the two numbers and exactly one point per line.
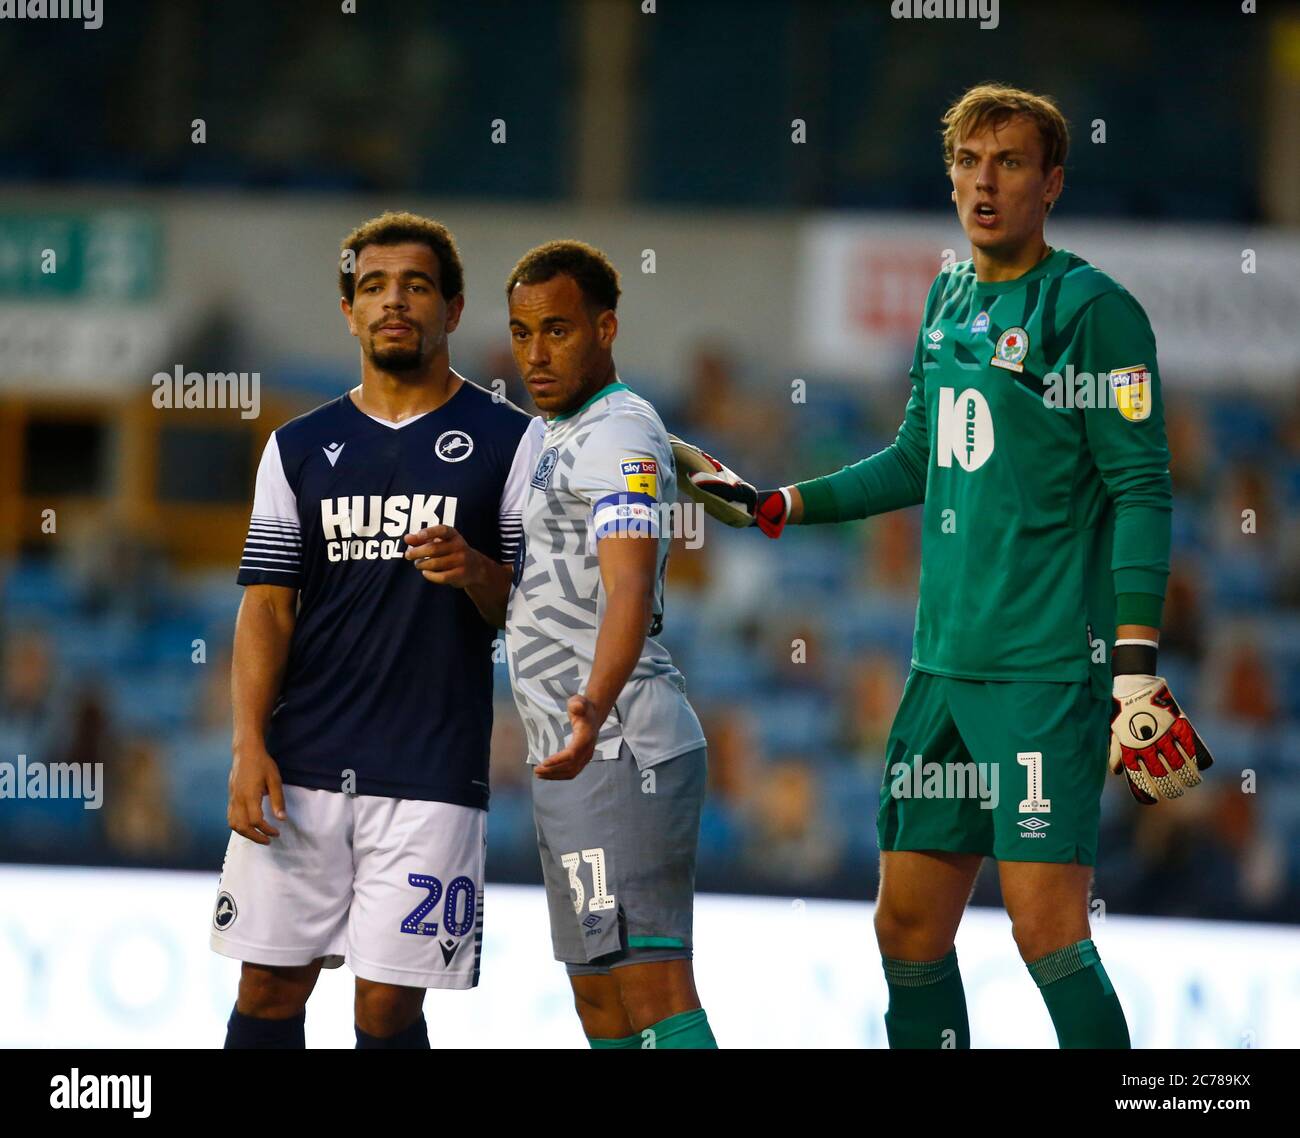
x=392, y=886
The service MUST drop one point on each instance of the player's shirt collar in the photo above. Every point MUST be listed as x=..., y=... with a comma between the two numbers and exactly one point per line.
x=608, y=389
x=388, y=425
x=1054, y=261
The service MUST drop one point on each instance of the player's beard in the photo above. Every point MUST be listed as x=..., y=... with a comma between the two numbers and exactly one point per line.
x=395, y=359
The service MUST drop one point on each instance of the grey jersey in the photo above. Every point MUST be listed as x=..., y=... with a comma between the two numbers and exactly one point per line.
x=606, y=468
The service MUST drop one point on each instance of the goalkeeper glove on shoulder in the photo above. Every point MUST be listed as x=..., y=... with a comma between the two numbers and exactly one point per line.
x=724, y=494
x=1151, y=741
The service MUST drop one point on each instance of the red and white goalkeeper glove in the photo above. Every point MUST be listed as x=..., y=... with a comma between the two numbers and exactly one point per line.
x=1152, y=741
x=724, y=494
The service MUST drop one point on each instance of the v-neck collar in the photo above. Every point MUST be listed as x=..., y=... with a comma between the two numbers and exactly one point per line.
x=347, y=398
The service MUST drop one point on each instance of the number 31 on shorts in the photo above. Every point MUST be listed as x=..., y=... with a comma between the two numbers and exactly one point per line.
x=600, y=900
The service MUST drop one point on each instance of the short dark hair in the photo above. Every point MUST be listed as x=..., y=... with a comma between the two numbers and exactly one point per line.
x=591, y=270
x=397, y=228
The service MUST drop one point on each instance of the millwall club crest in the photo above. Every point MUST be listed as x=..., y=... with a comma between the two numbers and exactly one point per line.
x=1132, y=389
x=1011, y=350
x=545, y=468
x=223, y=916
x=453, y=446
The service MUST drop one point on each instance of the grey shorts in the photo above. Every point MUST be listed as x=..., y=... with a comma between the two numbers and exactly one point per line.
x=618, y=851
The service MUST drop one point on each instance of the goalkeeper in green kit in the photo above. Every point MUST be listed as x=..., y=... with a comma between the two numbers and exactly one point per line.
x=1035, y=438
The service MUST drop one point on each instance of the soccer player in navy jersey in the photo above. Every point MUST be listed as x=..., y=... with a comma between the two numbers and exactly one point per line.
x=362, y=694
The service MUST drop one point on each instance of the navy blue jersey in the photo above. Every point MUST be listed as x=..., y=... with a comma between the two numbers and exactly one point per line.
x=389, y=676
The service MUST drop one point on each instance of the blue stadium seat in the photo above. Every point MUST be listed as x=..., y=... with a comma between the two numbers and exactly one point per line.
x=851, y=798
x=37, y=587
x=1239, y=584
x=800, y=722
x=155, y=699
x=198, y=773
x=876, y=624
x=1240, y=428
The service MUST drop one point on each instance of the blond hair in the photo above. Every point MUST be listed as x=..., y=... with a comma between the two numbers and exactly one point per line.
x=992, y=104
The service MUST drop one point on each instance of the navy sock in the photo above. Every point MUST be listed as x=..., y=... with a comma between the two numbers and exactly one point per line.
x=413, y=1038
x=248, y=1032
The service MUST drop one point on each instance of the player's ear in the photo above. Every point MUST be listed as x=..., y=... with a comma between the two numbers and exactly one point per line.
x=607, y=327
x=1055, y=184
x=346, y=308
x=455, y=306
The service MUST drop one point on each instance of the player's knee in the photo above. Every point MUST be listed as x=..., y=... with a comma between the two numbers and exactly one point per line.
x=597, y=1003
x=1037, y=934
x=594, y=1000
x=655, y=992
x=910, y=933
x=599, y=1007
x=385, y=1009
x=269, y=992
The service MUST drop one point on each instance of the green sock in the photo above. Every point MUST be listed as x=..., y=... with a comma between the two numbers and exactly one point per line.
x=1084, y=1008
x=627, y=1043
x=927, y=1004
x=685, y=1030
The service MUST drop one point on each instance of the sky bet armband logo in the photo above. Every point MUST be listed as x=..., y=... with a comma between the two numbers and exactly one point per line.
x=641, y=476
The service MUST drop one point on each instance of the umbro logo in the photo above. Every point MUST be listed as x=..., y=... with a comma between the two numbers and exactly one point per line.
x=1034, y=824
x=333, y=451
x=449, y=947
x=935, y=336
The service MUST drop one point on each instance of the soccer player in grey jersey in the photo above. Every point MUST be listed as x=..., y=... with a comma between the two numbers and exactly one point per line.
x=618, y=752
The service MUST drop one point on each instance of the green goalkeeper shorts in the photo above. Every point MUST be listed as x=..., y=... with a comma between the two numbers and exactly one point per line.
x=1008, y=770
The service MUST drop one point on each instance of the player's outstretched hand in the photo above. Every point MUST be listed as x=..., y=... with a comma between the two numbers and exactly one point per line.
x=1152, y=742
x=724, y=494
x=569, y=762
x=253, y=775
x=444, y=557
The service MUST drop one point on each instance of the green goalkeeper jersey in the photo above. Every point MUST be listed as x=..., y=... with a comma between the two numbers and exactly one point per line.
x=1035, y=438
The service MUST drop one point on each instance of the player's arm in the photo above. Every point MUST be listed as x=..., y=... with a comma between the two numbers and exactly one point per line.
x=1152, y=741
x=269, y=571
x=890, y=479
x=1128, y=446
x=263, y=633
x=627, y=571
x=618, y=473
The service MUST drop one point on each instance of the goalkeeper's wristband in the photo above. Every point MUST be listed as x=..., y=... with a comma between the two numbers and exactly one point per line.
x=772, y=510
x=1131, y=657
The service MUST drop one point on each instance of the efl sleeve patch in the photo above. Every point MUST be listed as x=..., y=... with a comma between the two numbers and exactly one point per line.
x=641, y=475
x=627, y=515
x=1131, y=387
